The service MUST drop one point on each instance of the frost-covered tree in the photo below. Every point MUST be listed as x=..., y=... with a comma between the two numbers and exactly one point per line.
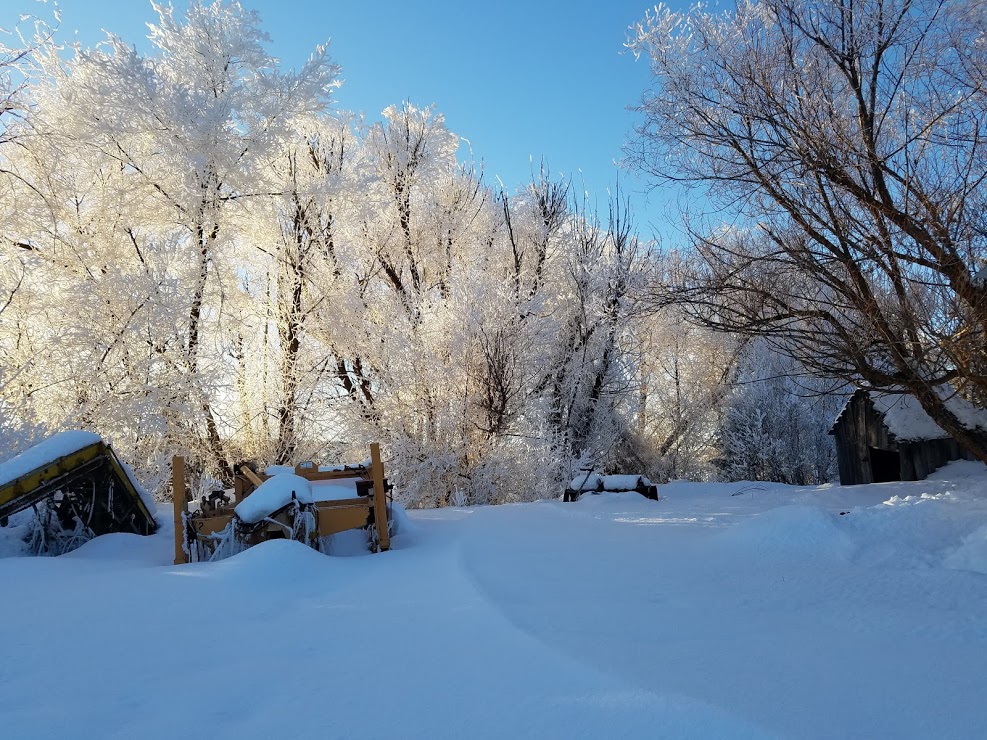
x=184, y=127
x=776, y=422
x=292, y=289
x=208, y=260
x=683, y=376
x=18, y=47
x=845, y=140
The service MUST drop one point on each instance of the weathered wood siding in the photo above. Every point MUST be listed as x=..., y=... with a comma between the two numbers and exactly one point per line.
x=859, y=428
x=920, y=459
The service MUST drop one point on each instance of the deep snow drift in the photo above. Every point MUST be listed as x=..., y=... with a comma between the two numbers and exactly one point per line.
x=763, y=614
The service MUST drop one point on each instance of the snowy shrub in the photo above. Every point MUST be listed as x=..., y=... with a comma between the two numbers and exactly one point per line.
x=776, y=424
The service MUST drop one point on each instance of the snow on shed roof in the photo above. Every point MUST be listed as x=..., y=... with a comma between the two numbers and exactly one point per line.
x=907, y=420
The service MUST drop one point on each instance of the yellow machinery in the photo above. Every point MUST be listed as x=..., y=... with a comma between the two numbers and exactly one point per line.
x=219, y=528
x=78, y=489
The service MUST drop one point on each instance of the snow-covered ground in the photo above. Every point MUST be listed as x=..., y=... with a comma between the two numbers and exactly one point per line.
x=707, y=614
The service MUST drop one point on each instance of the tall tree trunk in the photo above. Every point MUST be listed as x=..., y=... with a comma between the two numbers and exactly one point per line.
x=973, y=440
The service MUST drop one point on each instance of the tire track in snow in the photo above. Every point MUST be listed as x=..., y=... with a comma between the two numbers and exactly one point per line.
x=528, y=565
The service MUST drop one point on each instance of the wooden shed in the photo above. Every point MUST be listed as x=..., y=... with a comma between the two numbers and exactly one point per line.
x=884, y=437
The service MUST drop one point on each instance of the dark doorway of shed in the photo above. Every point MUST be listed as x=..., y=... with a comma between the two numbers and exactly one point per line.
x=885, y=465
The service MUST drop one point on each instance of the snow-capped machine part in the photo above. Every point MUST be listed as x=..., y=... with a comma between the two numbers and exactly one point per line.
x=589, y=482
x=78, y=489
x=308, y=504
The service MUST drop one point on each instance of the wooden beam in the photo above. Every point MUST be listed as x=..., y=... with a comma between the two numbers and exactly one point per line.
x=250, y=475
x=380, y=500
x=178, y=502
x=317, y=475
x=360, y=502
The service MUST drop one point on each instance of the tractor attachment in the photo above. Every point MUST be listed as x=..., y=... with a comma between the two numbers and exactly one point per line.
x=308, y=504
x=589, y=482
x=78, y=489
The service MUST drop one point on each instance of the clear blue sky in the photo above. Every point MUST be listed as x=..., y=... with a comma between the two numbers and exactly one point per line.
x=521, y=80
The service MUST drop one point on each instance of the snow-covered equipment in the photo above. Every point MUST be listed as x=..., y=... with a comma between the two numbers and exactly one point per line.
x=306, y=503
x=78, y=489
x=588, y=481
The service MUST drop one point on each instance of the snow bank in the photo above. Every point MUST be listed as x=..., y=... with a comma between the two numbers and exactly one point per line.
x=397, y=516
x=274, y=557
x=56, y=446
x=273, y=494
x=919, y=531
x=12, y=536
x=345, y=544
x=791, y=531
x=971, y=554
x=121, y=547
x=766, y=614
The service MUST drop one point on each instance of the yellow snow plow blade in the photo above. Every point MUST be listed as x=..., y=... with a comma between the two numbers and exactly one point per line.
x=87, y=490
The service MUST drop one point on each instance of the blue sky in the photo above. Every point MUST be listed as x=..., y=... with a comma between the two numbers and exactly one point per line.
x=520, y=80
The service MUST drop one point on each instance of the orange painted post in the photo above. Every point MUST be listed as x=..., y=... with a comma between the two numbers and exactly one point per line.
x=380, y=496
x=178, y=501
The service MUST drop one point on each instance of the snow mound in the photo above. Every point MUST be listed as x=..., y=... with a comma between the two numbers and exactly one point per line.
x=908, y=531
x=615, y=501
x=346, y=544
x=959, y=470
x=279, y=470
x=791, y=531
x=273, y=494
x=274, y=566
x=276, y=554
x=122, y=547
x=397, y=516
x=971, y=554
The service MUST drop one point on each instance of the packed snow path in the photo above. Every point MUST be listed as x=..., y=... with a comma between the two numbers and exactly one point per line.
x=705, y=615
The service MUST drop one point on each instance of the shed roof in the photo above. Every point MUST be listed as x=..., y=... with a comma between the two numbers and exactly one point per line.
x=907, y=420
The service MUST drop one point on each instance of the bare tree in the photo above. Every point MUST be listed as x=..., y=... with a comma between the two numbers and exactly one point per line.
x=846, y=141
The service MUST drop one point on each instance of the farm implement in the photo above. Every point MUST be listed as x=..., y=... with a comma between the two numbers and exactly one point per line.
x=77, y=488
x=589, y=482
x=307, y=503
